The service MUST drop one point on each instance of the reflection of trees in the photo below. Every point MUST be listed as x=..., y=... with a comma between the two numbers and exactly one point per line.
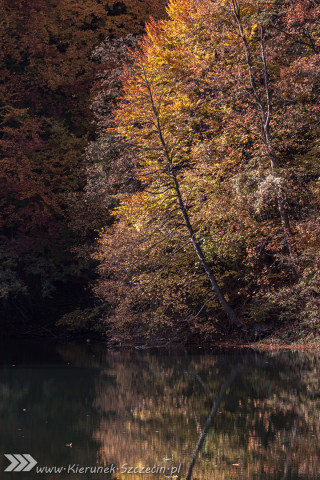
x=151, y=396
x=210, y=419
x=144, y=409
x=157, y=408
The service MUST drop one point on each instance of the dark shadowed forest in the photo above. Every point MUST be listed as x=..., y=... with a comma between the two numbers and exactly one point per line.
x=159, y=172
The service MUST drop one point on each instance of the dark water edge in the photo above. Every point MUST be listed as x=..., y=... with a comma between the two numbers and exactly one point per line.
x=77, y=404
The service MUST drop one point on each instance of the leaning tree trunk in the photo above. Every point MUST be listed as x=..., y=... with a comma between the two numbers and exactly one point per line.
x=234, y=319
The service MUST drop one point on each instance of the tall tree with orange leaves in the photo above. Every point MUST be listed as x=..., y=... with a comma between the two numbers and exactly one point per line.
x=229, y=91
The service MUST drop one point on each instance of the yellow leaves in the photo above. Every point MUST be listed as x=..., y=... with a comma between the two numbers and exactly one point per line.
x=180, y=10
x=141, y=210
x=131, y=207
x=254, y=29
x=226, y=108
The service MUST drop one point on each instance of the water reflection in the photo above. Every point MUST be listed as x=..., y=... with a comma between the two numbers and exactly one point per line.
x=244, y=416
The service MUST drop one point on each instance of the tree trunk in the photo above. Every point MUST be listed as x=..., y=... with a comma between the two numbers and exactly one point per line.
x=234, y=319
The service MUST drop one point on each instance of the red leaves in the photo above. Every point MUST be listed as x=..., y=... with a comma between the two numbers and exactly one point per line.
x=47, y=73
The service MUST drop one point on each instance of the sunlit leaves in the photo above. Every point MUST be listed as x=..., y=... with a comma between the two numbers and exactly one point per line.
x=196, y=69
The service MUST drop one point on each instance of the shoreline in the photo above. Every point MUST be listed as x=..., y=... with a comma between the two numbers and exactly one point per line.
x=205, y=347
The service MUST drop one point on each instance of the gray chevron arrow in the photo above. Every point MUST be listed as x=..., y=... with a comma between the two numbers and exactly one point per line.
x=23, y=463
x=14, y=462
x=32, y=462
x=20, y=463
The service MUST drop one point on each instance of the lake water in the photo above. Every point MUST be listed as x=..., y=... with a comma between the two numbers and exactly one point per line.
x=202, y=417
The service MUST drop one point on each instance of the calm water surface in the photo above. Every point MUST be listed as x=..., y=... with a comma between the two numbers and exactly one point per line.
x=201, y=417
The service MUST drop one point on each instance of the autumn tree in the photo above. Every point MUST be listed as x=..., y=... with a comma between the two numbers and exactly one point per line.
x=170, y=157
x=233, y=100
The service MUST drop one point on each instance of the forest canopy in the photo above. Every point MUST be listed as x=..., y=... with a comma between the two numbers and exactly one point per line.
x=172, y=170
